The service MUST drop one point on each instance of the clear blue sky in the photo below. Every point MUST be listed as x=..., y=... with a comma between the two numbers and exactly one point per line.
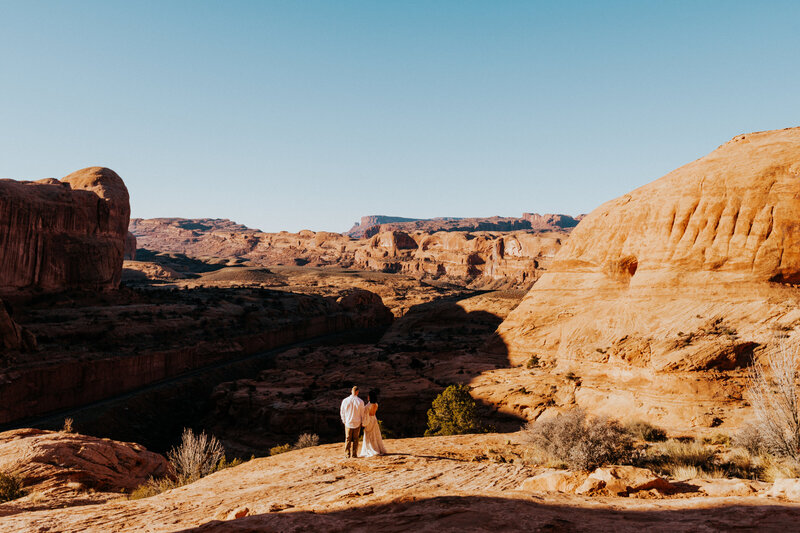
x=300, y=114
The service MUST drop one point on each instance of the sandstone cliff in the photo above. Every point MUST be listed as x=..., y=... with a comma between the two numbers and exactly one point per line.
x=691, y=273
x=57, y=235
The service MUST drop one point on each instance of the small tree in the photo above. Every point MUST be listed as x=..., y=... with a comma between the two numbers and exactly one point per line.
x=453, y=412
x=197, y=455
x=773, y=396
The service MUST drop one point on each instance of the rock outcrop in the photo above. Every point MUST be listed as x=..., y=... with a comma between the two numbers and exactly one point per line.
x=694, y=272
x=57, y=461
x=57, y=235
x=426, y=484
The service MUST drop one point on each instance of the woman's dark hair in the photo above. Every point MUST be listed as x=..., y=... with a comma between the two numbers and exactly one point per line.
x=373, y=395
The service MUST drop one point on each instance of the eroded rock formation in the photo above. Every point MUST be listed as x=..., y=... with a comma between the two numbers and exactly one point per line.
x=477, y=259
x=691, y=273
x=56, y=462
x=57, y=235
x=372, y=225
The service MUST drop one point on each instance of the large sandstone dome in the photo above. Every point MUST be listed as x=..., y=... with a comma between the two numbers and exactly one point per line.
x=689, y=273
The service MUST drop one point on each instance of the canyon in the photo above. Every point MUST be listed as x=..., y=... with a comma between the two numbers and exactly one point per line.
x=654, y=306
x=474, y=258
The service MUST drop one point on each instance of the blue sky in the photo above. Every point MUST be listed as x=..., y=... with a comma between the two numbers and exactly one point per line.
x=292, y=115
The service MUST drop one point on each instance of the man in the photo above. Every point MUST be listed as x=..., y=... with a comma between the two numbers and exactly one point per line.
x=352, y=411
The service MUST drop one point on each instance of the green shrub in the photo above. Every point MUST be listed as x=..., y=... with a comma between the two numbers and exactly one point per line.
x=580, y=442
x=453, y=412
x=10, y=487
x=533, y=362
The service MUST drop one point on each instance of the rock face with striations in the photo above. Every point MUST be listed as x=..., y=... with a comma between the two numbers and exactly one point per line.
x=694, y=272
x=57, y=235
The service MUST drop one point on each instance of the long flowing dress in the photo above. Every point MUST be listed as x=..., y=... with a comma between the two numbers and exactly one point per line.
x=372, y=444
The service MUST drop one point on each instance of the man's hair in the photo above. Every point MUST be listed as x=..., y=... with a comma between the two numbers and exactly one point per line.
x=354, y=389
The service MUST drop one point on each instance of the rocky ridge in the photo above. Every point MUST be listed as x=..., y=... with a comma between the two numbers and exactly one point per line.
x=475, y=259
x=374, y=224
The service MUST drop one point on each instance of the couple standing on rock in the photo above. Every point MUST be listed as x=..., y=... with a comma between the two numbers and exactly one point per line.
x=356, y=415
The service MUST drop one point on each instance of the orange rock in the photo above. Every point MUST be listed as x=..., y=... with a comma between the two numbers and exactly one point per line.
x=693, y=272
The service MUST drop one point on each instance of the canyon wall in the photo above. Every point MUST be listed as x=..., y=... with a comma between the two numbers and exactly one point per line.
x=661, y=298
x=68, y=234
x=92, y=350
x=476, y=259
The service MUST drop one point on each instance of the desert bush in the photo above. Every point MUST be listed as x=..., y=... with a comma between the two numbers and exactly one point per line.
x=453, y=412
x=10, y=487
x=67, y=428
x=154, y=486
x=773, y=394
x=749, y=438
x=196, y=456
x=581, y=442
x=680, y=459
x=533, y=362
x=646, y=431
x=307, y=440
x=283, y=448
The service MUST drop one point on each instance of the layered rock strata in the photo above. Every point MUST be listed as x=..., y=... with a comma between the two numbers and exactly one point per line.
x=476, y=259
x=67, y=234
x=661, y=297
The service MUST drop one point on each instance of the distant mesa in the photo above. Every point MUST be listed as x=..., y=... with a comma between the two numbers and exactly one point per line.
x=374, y=224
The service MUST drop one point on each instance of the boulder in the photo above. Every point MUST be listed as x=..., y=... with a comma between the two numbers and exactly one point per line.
x=623, y=480
x=68, y=234
x=52, y=460
x=554, y=481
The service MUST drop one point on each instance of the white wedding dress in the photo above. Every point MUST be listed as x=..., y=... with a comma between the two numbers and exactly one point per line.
x=372, y=444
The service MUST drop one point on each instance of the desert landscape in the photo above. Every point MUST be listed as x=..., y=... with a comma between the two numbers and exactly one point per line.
x=379, y=266
x=610, y=364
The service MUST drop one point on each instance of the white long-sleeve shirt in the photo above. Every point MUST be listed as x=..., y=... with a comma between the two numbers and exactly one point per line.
x=352, y=411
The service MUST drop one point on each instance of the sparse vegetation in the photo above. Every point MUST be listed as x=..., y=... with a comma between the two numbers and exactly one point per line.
x=306, y=440
x=196, y=457
x=580, y=442
x=453, y=412
x=533, y=362
x=646, y=431
x=283, y=448
x=11, y=487
x=773, y=394
x=67, y=428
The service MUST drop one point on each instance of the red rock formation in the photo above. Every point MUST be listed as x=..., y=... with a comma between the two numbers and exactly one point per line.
x=477, y=259
x=372, y=225
x=692, y=272
x=12, y=336
x=58, y=461
x=57, y=235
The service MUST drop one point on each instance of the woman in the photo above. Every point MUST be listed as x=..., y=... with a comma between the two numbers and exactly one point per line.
x=372, y=444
